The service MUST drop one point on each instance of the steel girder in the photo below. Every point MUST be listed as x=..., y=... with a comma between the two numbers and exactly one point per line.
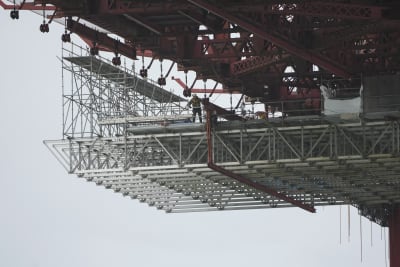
x=246, y=45
x=267, y=35
x=341, y=38
x=299, y=27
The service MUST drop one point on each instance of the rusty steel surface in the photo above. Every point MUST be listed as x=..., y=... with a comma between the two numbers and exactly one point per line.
x=262, y=48
x=269, y=50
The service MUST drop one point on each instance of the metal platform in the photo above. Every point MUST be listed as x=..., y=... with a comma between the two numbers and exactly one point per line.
x=316, y=163
x=120, y=136
x=115, y=74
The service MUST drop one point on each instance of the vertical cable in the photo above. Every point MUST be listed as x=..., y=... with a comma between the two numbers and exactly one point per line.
x=361, y=248
x=161, y=68
x=340, y=224
x=186, y=83
x=205, y=88
x=230, y=98
x=44, y=13
x=371, y=234
x=384, y=237
x=348, y=223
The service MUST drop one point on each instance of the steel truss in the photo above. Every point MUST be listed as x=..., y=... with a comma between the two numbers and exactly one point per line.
x=317, y=163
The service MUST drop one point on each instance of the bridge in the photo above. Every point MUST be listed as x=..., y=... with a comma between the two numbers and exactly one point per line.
x=130, y=134
x=142, y=144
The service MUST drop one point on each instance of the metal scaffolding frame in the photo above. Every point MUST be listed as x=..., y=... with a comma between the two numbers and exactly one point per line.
x=317, y=163
x=95, y=93
x=130, y=135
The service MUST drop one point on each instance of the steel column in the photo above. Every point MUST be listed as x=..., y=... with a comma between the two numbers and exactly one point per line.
x=394, y=237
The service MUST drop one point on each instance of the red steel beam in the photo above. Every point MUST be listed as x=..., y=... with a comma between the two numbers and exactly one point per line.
x=251, y=64
x=394, y=237
x=144, y=23
x=133, y=7
x=300, y=52
x=206, y=91
x=223, y=48
x=242, y=179
x=26, y=6
x=319, y=9
x=261, y=187
x=102, y=39
x=338, y=10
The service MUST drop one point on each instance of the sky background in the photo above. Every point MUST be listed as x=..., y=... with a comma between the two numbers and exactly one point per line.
x=50, y=218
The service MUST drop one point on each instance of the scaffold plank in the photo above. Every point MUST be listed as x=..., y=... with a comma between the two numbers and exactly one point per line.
x=116, y=74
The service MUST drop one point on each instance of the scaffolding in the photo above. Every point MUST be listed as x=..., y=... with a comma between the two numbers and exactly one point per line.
x=318, y=164
x=98, y=97
x=130, y=135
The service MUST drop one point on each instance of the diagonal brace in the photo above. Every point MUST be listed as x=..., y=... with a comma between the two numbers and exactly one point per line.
x=308, y=55
x=242, y=179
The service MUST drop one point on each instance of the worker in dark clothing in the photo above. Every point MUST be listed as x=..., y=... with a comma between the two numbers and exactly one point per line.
x=195, y=103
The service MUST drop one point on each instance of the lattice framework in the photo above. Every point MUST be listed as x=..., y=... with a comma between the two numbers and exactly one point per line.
x=322, y=163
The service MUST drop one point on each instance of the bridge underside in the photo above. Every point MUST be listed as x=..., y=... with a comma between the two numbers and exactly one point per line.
x=132, y=136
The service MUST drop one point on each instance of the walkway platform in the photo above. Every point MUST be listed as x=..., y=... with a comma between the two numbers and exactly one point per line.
x=116, y=75
x=317, y=161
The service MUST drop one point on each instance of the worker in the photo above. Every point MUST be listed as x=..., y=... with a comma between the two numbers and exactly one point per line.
x=195, y=103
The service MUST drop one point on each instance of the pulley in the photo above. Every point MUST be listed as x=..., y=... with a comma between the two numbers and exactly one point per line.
x=186, y=92
x=161, y=81
x=94, y=50
x=143, y=71
x=14, y=14
x=116, y=60
x=66, y=37
x=44, y=27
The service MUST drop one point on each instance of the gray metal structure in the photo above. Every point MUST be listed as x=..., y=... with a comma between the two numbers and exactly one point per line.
x=96, y=92
x=116, y=135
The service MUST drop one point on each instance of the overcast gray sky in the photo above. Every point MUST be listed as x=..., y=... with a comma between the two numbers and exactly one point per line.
x=49, y=218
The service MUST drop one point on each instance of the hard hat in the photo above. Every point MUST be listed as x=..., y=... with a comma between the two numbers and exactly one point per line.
x=194, y=95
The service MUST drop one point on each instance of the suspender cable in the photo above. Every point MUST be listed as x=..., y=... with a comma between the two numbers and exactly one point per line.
x=361, y=250
x=348, y=223
x=371, y=234
x=205, y=88
x=384, y=237
x=340, y=224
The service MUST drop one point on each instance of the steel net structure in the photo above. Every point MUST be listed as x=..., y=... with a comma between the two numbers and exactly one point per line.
x=318, y=164
x=130, y=135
